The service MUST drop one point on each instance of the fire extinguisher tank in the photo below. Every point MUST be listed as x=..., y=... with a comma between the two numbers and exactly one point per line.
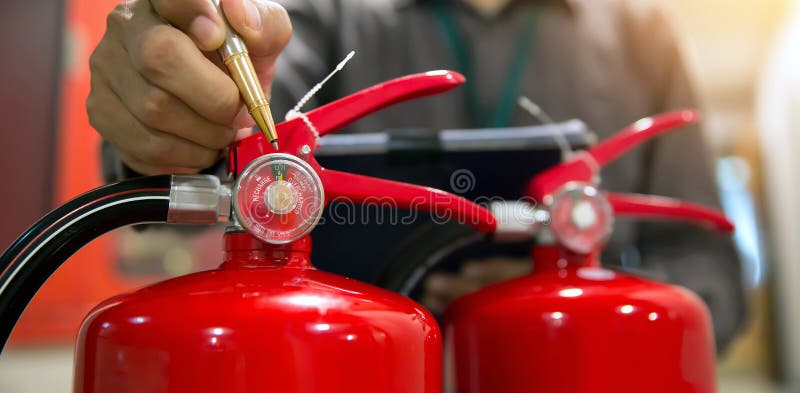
x=573, y=328
x=265, y=321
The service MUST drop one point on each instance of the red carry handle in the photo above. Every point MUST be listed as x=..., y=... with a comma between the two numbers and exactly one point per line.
x=668, y=208
x=364, y=189
x=297, y=138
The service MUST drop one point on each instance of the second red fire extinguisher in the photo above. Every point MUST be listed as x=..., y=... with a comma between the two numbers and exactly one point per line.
x=572, y=325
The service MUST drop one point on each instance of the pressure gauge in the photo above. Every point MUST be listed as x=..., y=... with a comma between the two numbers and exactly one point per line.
x=278, y=198
x=581, y=217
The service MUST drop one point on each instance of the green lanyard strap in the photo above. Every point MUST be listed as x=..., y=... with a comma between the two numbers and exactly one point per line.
x=463, y=56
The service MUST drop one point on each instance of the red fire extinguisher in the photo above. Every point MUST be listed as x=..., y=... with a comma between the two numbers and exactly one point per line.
x=265, y=320
x=571, y=325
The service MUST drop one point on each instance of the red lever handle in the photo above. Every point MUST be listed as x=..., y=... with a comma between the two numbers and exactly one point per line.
x=668, y=208
x=363, y=189
x=294, y=134
x=584, y=166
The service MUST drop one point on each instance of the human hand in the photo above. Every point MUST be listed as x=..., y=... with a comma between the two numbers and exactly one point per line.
x=159, y=93
x=441, y=288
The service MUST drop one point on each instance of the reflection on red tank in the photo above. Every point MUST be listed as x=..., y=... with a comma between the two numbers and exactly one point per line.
x=576, y=327
x=266, y=321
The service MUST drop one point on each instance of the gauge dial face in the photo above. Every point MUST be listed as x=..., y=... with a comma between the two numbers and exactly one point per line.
x=278, y=198
x=581, y=218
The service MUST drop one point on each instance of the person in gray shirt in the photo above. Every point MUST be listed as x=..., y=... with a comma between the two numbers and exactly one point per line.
x=607, y=62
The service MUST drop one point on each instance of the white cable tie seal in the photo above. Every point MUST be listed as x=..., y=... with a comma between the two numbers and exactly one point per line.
x=311, y=127
x=558, y=133
x=591, y=162
x=297, y=112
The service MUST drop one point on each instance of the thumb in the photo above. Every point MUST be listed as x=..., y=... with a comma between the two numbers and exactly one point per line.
x=263, y=25
x=197, y=18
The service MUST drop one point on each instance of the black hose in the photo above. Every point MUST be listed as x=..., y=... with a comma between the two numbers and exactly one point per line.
x=419, y=255
x=37, y=253
x=441, y=247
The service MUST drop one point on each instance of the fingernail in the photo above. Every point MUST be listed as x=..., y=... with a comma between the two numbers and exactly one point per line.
x=204, y=30
x=252, y=15
x=243, y=133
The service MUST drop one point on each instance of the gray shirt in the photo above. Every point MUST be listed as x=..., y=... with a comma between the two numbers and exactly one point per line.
x=606, y=62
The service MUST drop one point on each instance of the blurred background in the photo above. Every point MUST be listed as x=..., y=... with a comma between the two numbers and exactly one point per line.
x=745, y=60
